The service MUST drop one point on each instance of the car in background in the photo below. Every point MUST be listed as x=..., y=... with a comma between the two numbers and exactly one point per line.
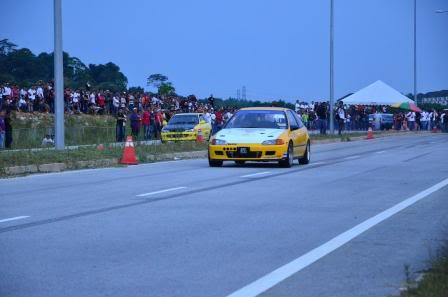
x=261, y=134
x=381, y=121
x=186, y=127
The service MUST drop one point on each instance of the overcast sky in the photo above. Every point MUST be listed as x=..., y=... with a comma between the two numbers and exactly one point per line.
x=276, y=48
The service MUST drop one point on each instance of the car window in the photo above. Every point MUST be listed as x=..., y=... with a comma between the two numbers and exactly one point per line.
x=267, y=119
x=292, y=120
x=298, y=119
x=184, y=120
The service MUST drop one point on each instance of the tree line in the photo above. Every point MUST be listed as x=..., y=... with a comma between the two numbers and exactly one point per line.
x=22, y=67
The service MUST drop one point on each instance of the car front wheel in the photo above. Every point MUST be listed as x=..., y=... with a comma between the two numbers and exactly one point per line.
x=306, y=156
x=288, y=161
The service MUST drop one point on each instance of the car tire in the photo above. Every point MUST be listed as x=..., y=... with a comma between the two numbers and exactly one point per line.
x=306, y=156
x=214, y=163
x=240, y=163
x=288, y=161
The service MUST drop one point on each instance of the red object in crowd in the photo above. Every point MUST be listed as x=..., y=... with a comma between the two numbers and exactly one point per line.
x=101, y=101
x=145, y=118
x=219, y=118
x=129, y=157
x=370, y=133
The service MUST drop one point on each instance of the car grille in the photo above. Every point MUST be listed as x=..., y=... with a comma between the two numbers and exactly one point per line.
x=177, y=135
x=236, y=154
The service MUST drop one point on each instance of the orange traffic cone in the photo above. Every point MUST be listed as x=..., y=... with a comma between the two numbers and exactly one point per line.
x=199, y=136
x=129, y=157
x=370, y=133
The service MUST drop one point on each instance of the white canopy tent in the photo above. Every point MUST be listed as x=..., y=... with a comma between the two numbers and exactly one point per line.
x=377, y=93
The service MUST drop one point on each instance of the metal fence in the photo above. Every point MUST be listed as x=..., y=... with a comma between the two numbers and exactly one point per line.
x=26, y=138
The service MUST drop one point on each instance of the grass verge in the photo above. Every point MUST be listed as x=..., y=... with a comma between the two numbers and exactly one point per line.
x=434, y=282
x=70, y=157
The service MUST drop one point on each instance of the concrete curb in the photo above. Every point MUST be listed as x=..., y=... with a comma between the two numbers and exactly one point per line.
x=58, y=167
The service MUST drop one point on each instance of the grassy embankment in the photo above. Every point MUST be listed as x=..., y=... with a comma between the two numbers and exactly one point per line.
x=434, y=282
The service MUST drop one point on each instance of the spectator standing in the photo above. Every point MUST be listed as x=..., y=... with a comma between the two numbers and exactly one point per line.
x=2, y=129
x=120, y=126
x=219, y=121
x=135, y=123
x=424, y=120
x=410, y=117
x=340, y=117
x=211, y=101
x=146, y=124
x=321, y=112
x=8, y=129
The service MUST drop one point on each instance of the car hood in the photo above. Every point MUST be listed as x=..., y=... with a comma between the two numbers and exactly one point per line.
x=178, y=127
x=248, y=135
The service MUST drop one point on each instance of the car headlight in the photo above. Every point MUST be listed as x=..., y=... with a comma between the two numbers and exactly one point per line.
x=219, y=141
x=273, y=142
x=164, y=129
x=189, y=130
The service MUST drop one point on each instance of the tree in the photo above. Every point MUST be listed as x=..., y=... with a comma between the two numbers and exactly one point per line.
x=156, y=80
x=167, y=88
x=7, y=47
x=21, y=66
x=136, y=90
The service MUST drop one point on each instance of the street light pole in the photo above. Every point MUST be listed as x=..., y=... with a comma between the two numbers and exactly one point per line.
x=331, y=68
x=415, y=51
x=58, y=78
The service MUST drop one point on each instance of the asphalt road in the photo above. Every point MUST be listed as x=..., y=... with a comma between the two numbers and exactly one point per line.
x=344, y=225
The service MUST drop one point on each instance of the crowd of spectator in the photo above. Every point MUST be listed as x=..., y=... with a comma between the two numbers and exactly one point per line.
x=149, y=112
x=316, y=115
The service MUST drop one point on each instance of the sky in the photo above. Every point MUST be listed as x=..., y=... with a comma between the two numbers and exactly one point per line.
x=277, y=49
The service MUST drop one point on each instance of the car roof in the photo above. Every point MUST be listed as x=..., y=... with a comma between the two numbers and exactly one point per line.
x=266, y=108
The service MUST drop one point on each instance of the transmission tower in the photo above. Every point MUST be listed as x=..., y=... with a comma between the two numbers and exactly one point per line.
x=243, y=93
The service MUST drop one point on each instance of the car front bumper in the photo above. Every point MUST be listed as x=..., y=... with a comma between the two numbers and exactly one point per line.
x=179, y=136
x=248, y=152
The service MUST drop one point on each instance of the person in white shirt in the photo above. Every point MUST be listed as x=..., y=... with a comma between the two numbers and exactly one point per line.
x=208, y=117
x=92, y=98
x=410, y=116
x=40, y=92
x=115, y=104
x=424, y=120
x=297, y=107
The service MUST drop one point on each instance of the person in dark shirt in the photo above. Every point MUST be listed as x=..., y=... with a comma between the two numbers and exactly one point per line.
x=135, y=123
x=8, y=129
x=321, y=113
x=121, y=125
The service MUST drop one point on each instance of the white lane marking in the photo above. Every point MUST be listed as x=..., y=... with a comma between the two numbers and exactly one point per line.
x=161, y=191
x=273, y=278
x=351, y=157
x=255, y=174
x=433, y=142
x=380, y=152
x=317, y=163
x=14, y=218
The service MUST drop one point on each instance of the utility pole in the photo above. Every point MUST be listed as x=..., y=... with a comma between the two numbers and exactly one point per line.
x=331, y=69
x=58, y=78
x=415, y=51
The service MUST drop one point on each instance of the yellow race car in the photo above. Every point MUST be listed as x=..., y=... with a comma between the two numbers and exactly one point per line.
x=186, y=126
x=261, y=134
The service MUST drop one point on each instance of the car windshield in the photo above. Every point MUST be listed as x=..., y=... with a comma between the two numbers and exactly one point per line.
x=187, y=119
x=268, y=119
